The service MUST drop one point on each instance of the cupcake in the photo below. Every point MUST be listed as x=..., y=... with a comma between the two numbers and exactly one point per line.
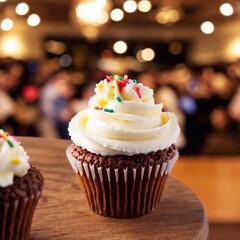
x=20, y=188
x=123, y=148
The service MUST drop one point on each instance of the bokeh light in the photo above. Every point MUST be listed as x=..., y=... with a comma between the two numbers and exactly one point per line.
x=207, y=27
x=175, y=48
x=147, y=54
x=117, y=14
x=144, y=6
x=226, y=9
x=33, y=20
x=6, y=24
x=22, y=8
x=130, y=6
x=120, y=47
x=188, y=104
x=65, y=60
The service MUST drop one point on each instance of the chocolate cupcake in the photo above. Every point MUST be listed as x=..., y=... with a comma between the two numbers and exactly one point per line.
x=20, y=188
x=123, y=148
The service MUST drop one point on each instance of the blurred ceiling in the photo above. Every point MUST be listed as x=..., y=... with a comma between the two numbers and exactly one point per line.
x=139, y=28
x=193, y=11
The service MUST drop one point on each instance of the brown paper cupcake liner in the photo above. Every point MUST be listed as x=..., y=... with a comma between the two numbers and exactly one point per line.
x=122, y=193
x=17, y=217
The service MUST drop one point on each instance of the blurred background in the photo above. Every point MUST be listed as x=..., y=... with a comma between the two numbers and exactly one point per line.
x=52, y=53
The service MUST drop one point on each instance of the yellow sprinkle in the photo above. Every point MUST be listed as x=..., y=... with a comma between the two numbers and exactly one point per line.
x=116, y=77
x=84, y=120
x=125, y=77
x=15, y=161
x=164, y=118
x=100, y=86
x=4, y=136
x=102, y=102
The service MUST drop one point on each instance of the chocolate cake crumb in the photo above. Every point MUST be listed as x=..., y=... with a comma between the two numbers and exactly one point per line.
x=122, y=160
x=25, y=186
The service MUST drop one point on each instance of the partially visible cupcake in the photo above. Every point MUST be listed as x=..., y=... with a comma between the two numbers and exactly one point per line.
x=123, y=148
x=20, y=188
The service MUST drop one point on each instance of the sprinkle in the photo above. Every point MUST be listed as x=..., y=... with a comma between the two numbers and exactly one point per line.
x=137, y=89
x=120, y=77
x=125, y=76
x=116, y=77
x=118, y=99
x=113, y=75
x=10, y=143
x=110, y=78
x=15, y=161
x=108, y=110
x=102, y=102
x=164, y=118
x=122, y=84
x=84, y=120
x=4, y=136
x=135, y=81
x=100, y=86
x=98, y=108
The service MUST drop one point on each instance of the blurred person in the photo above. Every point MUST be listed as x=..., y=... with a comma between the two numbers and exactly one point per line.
x=22, y=122
x=79, y=104
x=7, y=104
x=55, y=105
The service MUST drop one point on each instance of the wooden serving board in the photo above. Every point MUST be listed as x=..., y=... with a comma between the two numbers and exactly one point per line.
x=63, y=213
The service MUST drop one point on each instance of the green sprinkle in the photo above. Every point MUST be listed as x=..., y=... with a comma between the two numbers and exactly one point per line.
x=135, y=81
x=10, y=143
x=108, y=110
x=120, y=77
x=113, y=75
x=118, y=99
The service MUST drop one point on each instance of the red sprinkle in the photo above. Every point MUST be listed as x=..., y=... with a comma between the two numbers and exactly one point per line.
x=138, y=92
x=109, y=78
x=122, y=84
x=99, y=108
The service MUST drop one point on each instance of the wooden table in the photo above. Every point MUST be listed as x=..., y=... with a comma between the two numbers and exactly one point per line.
x=63, y=213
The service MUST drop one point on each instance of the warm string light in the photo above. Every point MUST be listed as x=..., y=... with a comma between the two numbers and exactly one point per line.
x=145, y=55
x=7, y=24
x=33, y=20
x=90, y=16
x=226, y=9
x=207, y=27
x=22, y=8
x=130, y=6
x=168, y=15
x=120, y=47
x=144, y=6
x=117, y=14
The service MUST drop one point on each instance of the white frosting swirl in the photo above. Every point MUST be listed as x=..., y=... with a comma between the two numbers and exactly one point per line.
x=13, y=160
x=123, y=119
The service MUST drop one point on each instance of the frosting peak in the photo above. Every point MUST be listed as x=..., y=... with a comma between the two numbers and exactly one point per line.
x=13, y=159
x=116, y=89
x=122, y=118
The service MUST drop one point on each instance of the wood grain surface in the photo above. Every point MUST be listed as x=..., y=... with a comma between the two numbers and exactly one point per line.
x=63, y=213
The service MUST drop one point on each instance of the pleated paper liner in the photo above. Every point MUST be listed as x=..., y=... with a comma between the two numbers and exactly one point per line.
x=16, y=217
x=121, y=193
